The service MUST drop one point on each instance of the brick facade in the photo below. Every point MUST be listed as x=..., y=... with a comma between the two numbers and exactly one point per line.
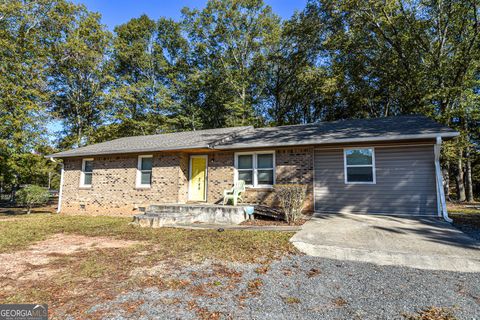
x=114, y=191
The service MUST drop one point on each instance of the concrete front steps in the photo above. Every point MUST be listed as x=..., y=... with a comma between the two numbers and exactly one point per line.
x=157, y=216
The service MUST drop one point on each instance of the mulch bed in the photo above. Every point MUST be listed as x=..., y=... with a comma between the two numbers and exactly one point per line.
x=262, y=221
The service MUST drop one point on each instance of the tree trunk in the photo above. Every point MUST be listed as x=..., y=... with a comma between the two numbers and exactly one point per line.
x=460, y=182
x=446, y=180
x=468, y=173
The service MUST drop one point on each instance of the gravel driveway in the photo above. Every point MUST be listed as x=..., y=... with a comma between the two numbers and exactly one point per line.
x=299, y=287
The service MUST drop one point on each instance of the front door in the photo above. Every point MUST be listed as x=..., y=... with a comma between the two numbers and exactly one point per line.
x=198, y=178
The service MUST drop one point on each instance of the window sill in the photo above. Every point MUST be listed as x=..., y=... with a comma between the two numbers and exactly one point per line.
x=360, y=183
x=85, y=187
x=143, y=187
x=260, y=188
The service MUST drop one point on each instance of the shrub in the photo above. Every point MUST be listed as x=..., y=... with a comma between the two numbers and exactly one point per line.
x=32, y=195
x=291, y=198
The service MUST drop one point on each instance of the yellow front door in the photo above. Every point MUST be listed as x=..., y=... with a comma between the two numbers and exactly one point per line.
x=198, y=177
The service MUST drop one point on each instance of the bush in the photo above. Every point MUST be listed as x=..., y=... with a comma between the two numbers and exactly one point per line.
x=291, y=198
x=32, y=195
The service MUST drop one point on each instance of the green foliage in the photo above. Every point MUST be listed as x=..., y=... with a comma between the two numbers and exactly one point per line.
x=28, y=32
x=230, y=40
x=232, y=63
x=79, y=77
x=138, y=93
x=32, y=195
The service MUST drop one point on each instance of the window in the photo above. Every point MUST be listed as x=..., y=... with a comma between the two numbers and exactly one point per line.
x=144, y=172
x=87, y=172
x=359, y=165
x=256, y=169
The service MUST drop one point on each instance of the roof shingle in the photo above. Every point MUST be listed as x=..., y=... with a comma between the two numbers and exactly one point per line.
x=343, y=131
x=159, y=142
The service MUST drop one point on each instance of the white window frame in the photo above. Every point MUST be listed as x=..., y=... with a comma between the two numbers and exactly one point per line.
x=82, y=174
x=255, y=169
x=345, y=166
x=139, y=184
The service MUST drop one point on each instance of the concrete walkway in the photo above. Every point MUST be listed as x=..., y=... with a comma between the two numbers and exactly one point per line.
x=422, y=243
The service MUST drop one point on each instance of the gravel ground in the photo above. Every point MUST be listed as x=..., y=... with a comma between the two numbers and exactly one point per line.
x=298, y=287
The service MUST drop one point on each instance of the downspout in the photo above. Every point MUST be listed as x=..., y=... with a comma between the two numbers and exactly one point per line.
x=59, y=207
x=441, y=202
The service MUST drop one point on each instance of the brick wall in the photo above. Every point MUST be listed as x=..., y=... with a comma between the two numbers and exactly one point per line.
x=292, y=165
x=114, y=191
x=220, y=175
x=184, y=162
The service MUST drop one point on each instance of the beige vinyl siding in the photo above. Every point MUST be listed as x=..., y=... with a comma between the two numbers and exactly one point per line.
x=405, y=182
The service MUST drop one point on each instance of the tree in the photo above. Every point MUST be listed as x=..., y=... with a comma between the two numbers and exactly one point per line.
x=401, y=57
x=80, y=77
x=229, y=40
x=296, y=84
x=141, y=100
x=31, y=196
x=26, y=33
x=180, y=75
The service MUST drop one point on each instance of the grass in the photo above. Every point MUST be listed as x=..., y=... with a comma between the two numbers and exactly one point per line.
x=463, y=208
x=231, y=245
x=291, y=300
x=85, y=278
x=464, y=216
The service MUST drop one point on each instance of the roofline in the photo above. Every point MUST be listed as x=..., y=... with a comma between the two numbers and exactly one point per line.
x=211, y=145
x=102, y=153
x=230, y=136
x=245, y=146
x=353, y=140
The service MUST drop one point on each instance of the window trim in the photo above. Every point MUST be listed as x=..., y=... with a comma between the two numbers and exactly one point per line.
x=138, y=183
x=345, y=166
x=255, y=169
x=82, y=174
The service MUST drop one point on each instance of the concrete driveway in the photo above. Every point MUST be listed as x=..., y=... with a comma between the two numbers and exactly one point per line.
x=422, y=243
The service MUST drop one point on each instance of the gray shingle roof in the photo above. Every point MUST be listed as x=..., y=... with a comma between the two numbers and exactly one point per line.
x=343, y=131
x=159, y=142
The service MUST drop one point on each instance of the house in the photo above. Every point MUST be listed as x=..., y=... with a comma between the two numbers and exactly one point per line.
x=375, y=166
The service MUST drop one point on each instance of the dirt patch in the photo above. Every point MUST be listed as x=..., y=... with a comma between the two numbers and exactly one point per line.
x=28, y=264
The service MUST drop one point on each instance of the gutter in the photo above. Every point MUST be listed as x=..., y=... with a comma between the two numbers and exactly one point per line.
x=441, y=202
x=60, y=191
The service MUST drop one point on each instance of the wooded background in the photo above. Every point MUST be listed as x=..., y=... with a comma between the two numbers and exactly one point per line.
x=234, y=63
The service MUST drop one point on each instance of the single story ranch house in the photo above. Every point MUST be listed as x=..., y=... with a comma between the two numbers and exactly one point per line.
x=386, y=166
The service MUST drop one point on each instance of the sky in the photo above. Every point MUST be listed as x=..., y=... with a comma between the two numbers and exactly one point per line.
x=115, y=12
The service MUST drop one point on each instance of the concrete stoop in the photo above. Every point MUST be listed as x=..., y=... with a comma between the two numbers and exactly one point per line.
x=157, y=216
